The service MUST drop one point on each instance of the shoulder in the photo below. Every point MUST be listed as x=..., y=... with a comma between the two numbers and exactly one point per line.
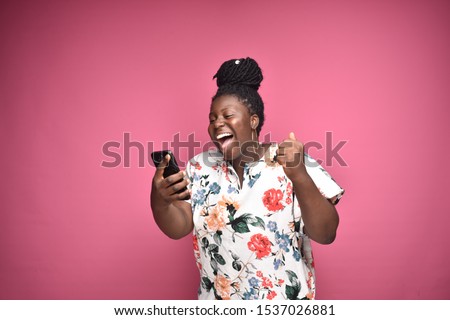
x=313, y=166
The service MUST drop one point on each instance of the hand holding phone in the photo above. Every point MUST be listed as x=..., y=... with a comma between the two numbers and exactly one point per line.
x=170, y=169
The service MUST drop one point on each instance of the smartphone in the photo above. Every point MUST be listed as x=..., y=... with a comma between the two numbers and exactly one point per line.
x=172, y=167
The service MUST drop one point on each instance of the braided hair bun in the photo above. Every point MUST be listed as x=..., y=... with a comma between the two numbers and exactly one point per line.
x=239, y=72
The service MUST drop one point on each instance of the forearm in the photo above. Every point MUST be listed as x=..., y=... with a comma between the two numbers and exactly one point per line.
x=175, y=219
x=318, y=213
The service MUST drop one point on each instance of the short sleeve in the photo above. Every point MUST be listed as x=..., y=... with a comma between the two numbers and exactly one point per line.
x=322, y=179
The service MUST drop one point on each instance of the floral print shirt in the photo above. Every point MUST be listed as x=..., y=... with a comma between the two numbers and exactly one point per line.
x=248, y=239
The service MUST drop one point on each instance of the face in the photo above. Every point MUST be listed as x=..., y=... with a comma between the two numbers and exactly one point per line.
x=231, y=126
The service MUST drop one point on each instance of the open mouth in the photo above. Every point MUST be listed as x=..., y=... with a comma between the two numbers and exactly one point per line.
x=224, y=139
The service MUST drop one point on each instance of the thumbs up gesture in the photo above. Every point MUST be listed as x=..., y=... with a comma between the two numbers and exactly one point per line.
x=290, y=155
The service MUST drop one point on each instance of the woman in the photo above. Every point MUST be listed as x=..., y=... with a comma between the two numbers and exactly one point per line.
x=251, y=240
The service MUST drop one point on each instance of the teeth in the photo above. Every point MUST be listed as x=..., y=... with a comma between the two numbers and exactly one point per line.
x=223, y=135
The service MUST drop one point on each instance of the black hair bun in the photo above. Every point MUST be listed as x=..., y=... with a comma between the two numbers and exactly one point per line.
x=239, y=72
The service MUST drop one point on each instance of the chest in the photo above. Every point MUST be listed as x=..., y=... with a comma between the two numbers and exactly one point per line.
x=263, y=192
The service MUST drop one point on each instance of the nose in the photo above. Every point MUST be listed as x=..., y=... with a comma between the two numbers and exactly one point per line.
x=218, y=122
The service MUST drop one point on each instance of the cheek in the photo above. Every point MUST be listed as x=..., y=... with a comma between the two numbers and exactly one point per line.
x=242, y=127
x=210, y=130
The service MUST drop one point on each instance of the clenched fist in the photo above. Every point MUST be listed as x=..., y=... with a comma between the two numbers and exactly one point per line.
x=290, y=155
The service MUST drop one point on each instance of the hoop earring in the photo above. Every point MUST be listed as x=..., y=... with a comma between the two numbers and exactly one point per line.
x=253, y=138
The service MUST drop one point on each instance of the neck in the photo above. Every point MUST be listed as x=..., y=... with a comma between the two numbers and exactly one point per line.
x=252, y=153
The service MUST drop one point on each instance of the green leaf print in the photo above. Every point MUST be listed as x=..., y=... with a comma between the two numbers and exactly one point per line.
x=220, y=260
x=292, y=277
x=205, y=243
x=258, y=222
x=240, y=226
x=292, y=292
x=206, y=283
x=214, y=265
x=231, y=209
x=213, y=248
x=297, y=226
x=217, y=237
x=237, y=265
x=234, y=255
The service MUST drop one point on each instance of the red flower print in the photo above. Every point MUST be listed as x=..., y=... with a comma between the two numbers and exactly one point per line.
x=280, y=282
x=198, y=166
x=267, y=283
x=260, y=245
x=195, y=242
x=259, y=274
x=289, y=189
x=271, y=295
x=225, y=170
x=309, y=281
x=272, y=198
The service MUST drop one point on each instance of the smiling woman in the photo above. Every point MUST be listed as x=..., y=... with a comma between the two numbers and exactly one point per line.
x=251, y=240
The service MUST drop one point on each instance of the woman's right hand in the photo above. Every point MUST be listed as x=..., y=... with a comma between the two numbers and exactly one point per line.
x=164, y=190
x=173, y=217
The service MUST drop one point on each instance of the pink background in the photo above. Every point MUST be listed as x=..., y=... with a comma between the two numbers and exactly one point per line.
x=75, y=75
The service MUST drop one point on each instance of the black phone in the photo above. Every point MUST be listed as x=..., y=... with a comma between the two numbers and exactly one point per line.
x=172, y=167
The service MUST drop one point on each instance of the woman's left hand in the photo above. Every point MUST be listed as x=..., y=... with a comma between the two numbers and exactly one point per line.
x=290, y=155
